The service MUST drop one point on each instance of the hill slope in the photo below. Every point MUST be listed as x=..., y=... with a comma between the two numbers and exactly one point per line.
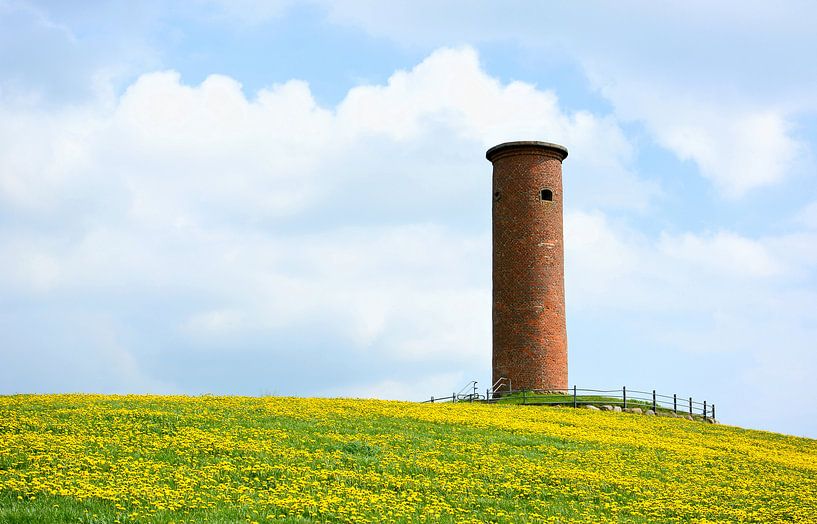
x=87, y=458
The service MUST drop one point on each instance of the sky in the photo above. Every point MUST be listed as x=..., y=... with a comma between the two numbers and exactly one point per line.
x=292, y=198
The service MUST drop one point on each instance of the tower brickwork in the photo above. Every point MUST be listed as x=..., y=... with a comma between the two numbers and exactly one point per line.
x=529, y=330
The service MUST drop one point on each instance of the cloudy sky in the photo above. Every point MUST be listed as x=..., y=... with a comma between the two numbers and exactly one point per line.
x=292, y=198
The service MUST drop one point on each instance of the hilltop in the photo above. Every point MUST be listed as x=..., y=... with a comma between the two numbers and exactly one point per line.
x=107, y=459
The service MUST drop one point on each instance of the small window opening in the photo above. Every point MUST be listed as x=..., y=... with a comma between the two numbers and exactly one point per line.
x=497, y=195
x=546, y=194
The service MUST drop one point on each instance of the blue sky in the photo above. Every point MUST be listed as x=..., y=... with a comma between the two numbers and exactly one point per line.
x=292, y=197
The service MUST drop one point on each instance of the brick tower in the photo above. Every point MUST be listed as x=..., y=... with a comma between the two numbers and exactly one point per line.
x=529, y=331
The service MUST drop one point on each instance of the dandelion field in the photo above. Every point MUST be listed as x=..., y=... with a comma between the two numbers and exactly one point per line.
x=118, y=459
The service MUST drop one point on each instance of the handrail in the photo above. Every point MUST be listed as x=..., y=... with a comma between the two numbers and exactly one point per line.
x=621, y=397
x=501, y=382
x=439, y=399
x=470, y=385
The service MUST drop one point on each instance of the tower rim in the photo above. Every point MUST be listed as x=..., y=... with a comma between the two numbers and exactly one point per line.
x=531, y=145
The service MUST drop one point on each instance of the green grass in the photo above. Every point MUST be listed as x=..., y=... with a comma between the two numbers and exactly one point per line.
x=230, y=459
x=560, y=399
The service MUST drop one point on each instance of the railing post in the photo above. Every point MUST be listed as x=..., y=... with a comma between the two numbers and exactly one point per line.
x=675, y=403
x=704, y=409
x=574, y=395
x=654, y=408
x=690, y=406
x=524, y=396
x=487, y=397
x=624, y=394
x=453, y=397
x=713, y=412
x=432, y=400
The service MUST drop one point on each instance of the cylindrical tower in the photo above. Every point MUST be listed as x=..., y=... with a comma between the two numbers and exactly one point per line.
x=529, y=331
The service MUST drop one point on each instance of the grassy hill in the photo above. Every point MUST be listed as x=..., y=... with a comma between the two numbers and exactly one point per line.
x=94, y=459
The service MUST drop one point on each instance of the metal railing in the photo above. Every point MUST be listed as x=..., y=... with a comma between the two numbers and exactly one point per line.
x=575, y=397
x=500, y=383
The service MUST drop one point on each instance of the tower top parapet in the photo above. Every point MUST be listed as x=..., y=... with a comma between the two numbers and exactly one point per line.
x=516, y=147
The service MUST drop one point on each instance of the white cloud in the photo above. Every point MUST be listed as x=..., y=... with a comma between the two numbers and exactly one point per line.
x=239, y=219
x=611, y=264
x=402, y=389
x=168, y=149
x=723, y=253
x=450, y=91
x=718, y=313
x=596, y=257
x=450, y=88
x=719, y=85
x=808, y=215
x=739, y=147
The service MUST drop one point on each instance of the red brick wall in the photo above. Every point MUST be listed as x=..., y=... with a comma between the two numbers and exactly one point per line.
x=529, y=332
